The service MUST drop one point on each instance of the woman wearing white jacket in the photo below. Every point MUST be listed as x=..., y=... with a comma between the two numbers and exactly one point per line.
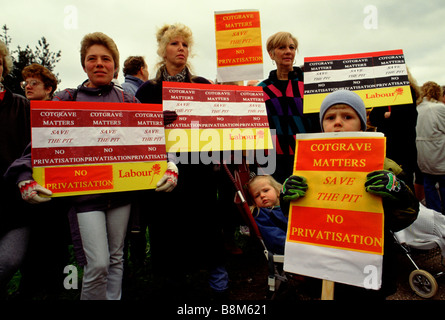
x=430, y=142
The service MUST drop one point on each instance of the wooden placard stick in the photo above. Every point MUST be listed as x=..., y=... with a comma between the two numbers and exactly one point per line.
x=327, y=290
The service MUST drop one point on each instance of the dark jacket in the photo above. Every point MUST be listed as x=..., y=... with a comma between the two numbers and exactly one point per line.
x=284, y=104
x=400, y=132
x=199, y=228
x=151, y=90
x=15, y=134
x=272, y=224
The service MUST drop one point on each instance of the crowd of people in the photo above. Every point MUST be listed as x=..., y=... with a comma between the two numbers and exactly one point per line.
x=36, y=230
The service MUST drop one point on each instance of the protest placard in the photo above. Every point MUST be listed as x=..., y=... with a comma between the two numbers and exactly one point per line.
x=85, y=147
x=379, y=78
x=335, y=231
x=216, y=118
x=238, y=45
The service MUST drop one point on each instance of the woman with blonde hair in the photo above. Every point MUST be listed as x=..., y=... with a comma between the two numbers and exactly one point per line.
x=174, y=49
x=267, y=212
x=283, y=94
x=199, y=231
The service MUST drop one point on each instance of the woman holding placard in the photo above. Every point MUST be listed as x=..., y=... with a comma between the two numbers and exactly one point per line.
x=98, y=221
x=283, y=94
x=189, y=213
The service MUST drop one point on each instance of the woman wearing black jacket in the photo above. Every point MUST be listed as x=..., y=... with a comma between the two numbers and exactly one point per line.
x=15, y=134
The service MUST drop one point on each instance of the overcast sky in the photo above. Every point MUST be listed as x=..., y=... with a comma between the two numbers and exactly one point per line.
x=322, y=27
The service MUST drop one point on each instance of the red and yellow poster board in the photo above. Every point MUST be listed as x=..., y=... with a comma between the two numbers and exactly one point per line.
x=84, y=147
x=335, y=232
x=238, y=45
x=379, y=78
x=216, y=118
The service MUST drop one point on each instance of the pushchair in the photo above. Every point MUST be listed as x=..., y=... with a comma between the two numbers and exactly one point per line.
x=424, y=240
x=240, y=177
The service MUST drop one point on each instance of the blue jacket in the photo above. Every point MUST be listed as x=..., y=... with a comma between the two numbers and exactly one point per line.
x=132, y=84
x=272, y=224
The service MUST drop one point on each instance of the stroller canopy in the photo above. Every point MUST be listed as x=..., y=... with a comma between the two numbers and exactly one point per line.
x=427, y=231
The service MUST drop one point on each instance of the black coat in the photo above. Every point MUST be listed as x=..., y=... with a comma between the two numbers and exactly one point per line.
x=15, y=135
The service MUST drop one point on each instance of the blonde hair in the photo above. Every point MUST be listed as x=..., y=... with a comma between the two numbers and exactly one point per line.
x=7, y=61
x=273, y=183
x=101, y=39
x=278, y=39
x=169, y=32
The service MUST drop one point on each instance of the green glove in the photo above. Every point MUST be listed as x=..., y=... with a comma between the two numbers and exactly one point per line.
x=293, y=188
x=385, y=184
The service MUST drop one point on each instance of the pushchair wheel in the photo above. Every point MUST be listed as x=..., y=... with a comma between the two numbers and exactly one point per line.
x=423, y=283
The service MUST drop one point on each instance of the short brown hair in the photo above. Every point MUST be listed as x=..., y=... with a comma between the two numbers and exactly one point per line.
x=36, y=70
x=102, y=39
x=133, y=64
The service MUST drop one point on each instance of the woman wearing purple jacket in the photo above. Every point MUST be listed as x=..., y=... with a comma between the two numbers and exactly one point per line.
x=99, y=221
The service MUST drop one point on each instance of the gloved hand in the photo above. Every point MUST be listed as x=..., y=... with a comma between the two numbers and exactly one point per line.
x=169, y=179
x=293, y=188
x=169, y=116
x=31, y=191
x=385, y=184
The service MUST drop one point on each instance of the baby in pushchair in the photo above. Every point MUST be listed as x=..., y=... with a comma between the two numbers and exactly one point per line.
x=268, y=215
x=425, y=237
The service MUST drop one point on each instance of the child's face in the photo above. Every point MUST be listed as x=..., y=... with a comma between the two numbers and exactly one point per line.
x=263, y=194
x=341, y=117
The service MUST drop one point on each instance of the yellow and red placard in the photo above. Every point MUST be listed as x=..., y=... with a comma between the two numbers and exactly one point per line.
x=379, y=78
x=336, y=229
x=216, y=118
x=238, y=45
x=84, y=147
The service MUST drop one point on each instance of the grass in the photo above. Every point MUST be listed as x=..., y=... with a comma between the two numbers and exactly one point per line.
x=140, y=275
x=138, y=282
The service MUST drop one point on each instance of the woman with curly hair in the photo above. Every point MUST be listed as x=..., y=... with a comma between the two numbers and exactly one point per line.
x=430, y=144
x=193, y=240
x=39, y=83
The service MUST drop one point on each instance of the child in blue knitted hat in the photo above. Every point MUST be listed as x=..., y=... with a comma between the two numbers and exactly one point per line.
x=343, y=111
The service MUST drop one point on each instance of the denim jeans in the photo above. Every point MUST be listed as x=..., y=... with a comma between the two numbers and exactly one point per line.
x=103, y=235
x=434, y=198
x=219, y=279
